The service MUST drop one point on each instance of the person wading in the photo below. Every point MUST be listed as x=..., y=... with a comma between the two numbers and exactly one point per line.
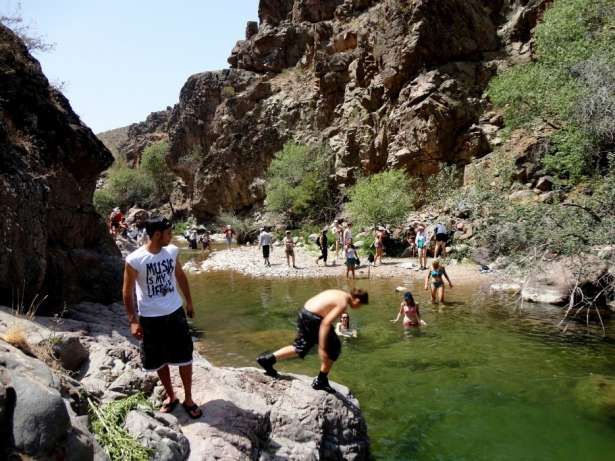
x=315, y=326
x=161, y=326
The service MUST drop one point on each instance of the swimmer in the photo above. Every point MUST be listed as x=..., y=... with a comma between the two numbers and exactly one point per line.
x=410, y=310
x=315, y=326
x=343, y=327
x=437, y=283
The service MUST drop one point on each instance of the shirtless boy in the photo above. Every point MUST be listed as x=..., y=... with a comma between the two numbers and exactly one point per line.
x=315, y=326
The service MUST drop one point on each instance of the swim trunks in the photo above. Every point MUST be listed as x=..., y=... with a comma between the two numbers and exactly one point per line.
x=166, y=340
x=265, y=251
x=308, y=329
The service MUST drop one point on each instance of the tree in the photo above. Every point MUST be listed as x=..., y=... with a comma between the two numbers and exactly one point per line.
x=381, y=198
x=33, y=41
x=153, y=163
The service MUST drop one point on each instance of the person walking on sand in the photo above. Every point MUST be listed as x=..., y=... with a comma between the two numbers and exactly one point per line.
x=352, y=259
x=264, y=242
x=347, y=236
x=437, y=275
x=338, y=233
x=161, y=327
x=410, y=310
x=229, y=232
x=289, y=249
x=315, y=326
x=379, y=245
x=421, y=245
x=323, y=244
x=441, y=233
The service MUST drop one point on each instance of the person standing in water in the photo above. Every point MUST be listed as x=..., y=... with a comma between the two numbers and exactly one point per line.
x=156, y=271
x=437, y=275
x=264, y=241
x=315, y=326
x=323, y=244
x=410, y=310
x=343, y=327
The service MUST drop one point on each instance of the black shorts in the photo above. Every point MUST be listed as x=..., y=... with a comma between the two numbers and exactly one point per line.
x=308, y=329
x=441, y=237
x=265, y=251
x=166, y=341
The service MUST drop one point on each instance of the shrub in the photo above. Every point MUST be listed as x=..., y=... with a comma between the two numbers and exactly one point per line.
x=298, y=184
x=153, y=163
x=569, y=86
x=381, y=198
x=245, y=227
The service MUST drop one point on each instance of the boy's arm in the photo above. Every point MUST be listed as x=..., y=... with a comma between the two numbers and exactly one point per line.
x=130, y=276
x=325, y=326
x=182, y=281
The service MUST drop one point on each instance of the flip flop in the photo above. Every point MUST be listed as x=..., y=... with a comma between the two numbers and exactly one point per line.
x=169, y=406
x=193, y=410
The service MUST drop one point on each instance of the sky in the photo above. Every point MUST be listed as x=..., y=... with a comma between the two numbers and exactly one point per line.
x=122, y=59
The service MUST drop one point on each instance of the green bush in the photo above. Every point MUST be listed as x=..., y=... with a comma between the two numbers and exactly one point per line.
x=381, y=198
x=153, y=163
x=298, y=184
x=244, y=227
x=569, y=85
x=125, y=187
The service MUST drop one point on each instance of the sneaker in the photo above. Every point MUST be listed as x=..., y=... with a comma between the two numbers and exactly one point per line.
x=322, y=385
x=266, y=361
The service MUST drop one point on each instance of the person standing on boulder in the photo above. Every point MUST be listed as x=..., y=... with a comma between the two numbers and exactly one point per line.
x=315, y=326
x=441, y=238
x=155, y=271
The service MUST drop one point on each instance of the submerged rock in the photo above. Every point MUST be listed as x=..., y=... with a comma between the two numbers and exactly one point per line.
x=596, y=394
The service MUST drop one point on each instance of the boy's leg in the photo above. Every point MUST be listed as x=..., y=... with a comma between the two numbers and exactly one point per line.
x=165, y=379
x=267, y=361
x=185, y=372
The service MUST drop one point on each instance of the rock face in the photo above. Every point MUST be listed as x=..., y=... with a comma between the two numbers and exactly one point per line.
x=49, y=163
x=382, y=84
x=141, y=135
x=246, y=415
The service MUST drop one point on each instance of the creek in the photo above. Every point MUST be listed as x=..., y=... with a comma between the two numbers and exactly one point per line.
x=486, y=379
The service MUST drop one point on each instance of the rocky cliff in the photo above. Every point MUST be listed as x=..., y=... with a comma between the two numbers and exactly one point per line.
x=384, y=84
x=49, y=163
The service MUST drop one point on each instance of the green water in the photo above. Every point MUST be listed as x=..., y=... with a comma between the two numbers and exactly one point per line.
x=483, y=381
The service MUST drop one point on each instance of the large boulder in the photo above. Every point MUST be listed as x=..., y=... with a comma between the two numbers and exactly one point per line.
x=49, y=165
x=159, y=432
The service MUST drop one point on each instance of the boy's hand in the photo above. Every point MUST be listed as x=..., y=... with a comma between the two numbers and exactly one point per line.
x=190, y=311
x=450, y=284
x=136, y=330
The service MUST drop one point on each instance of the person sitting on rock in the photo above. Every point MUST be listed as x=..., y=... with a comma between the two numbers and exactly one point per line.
x=315, y=326
x=437, y=282
x=155, y=270
x=116, y=222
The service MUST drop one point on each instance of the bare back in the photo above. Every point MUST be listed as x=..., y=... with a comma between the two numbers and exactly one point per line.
x=325, y=301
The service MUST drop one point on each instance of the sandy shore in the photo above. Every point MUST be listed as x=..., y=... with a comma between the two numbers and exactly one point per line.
x=248, y=260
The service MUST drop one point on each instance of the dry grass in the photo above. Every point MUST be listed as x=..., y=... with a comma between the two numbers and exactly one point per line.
x=15, y=335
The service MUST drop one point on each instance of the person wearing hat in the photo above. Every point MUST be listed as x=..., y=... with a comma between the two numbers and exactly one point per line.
x=116, y=221
x=155, y=273
x=193, y=238
x=228, y=232
x=421, y=244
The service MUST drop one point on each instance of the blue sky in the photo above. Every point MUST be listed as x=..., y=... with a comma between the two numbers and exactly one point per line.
x=122, y=59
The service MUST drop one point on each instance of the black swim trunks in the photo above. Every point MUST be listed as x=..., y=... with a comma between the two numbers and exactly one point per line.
x=308, y=328
x=441, y=237
x=166, y=340
x=265, y=251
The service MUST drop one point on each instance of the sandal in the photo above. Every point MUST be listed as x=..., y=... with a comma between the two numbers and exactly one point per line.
x=168, y=407
x=193, y=410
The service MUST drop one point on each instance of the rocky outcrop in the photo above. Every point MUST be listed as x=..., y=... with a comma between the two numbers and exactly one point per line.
x=246, y=415
x=49, y=163
x=382, y=84
x=143, y=134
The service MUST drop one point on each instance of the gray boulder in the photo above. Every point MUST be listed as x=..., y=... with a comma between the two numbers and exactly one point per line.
x=70, y=353
x=159, y=432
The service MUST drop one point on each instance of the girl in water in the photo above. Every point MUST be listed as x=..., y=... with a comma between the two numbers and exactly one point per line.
x=343, y=327
x=410, y=311
x=436, y=275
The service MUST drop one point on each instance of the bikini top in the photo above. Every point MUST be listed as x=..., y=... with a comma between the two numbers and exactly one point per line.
x=410, y=311
x=437, y=274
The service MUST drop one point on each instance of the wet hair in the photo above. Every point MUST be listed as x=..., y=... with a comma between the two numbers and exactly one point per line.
x=157, y=224
x=359, y=294
x=409, y=298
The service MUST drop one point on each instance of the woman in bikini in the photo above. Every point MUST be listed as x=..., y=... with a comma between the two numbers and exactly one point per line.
x=437, y=275
x=410, y=310
x=379, y=244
